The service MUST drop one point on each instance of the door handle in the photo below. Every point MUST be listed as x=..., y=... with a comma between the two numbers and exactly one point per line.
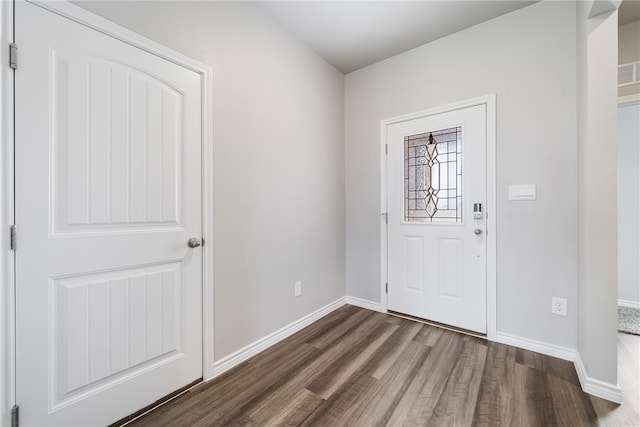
x=477, y=231
x=193, y=242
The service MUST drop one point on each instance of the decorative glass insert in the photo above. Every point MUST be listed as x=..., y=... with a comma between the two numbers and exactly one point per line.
x=433, y=176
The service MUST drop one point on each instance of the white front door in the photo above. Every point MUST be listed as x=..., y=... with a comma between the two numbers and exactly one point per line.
x=108, y=192
x=436, y=242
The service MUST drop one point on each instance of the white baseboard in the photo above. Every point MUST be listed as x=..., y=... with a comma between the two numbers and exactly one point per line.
x=363, y=303
x=256, y=347
x=537, y=346
x=595, y=387
x=629, y=303
x=589, y=385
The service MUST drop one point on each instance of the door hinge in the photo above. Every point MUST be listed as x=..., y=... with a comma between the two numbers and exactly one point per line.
x=13, y=56
x=15, y=416
x=386, y=287
x=386, y=149
x=385, y=217
x=13, y=237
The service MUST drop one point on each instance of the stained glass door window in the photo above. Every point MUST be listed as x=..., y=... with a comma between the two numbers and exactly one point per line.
x=433, y=176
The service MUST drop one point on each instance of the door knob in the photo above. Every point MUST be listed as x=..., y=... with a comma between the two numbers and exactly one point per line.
x=193, y=242
x=477, y=231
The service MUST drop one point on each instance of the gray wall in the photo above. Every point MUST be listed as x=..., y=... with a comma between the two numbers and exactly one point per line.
x=628, y=174
x=597, y=193
x=278, y=156
x=528, y=58
x=280, y=183
x=629, y=203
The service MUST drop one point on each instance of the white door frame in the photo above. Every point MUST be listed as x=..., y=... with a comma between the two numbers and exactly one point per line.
x=490, y=102
x=7, y=289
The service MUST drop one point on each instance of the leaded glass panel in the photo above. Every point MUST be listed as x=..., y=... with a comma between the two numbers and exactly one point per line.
x=433, y=176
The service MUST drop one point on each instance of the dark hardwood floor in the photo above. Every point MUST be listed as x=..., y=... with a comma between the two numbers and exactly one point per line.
x=362, y=368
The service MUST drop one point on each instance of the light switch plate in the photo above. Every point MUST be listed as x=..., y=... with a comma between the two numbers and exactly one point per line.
x=522, y=192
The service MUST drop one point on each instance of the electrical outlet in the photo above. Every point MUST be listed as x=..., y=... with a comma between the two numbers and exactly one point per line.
x=297, y=289
x=559, y=306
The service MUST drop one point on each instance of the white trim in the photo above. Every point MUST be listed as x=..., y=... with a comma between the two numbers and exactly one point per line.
x=7, y=294
x=256, y=347
x=628, y=63
x=635, y=76
x=625, y=101
x=384, y=216
x=492, y=223
x=363, y=303
x=537, y=346
x=86, y=18
x=91, y=20
x=611, y=392
x=208, y=256
x=490, y=102
x=629, y=303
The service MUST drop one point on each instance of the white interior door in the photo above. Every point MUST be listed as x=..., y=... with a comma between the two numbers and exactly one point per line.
x=108, y=192
x=436, y=242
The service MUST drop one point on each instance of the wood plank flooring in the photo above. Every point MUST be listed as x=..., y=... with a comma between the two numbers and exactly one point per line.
x=627, y=414
x=357, y=367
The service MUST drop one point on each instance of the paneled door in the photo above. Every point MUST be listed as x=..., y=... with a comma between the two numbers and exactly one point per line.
x=107, y=196
x=437, y=190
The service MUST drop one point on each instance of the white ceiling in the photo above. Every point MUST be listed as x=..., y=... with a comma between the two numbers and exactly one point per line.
x=354, y=34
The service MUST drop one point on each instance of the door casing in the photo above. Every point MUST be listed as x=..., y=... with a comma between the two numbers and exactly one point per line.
x=7, y=289
x=490, y=102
